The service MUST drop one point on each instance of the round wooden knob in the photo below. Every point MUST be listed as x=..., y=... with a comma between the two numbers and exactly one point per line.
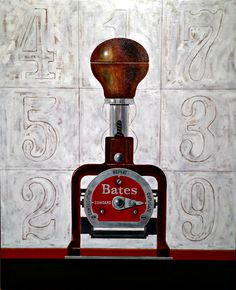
x=119, y=64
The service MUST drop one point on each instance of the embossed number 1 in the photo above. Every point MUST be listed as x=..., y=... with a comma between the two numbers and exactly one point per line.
x=118, y=22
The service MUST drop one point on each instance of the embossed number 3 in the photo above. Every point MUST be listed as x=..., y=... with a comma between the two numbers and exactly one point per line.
x=198, y=140
x=41, y=138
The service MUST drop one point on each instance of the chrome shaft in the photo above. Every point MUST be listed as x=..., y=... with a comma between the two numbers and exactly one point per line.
x=119, y=116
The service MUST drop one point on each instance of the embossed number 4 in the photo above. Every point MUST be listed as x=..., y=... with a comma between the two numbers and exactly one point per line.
x=32, y=46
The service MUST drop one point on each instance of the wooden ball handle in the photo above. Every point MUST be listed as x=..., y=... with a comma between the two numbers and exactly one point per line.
x=119, y=64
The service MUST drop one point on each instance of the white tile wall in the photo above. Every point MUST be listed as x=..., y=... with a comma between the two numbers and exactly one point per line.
x=35, y=208
x=198, y=131
x=39, y=43
x=52, y=117
x=199, y=44
x=39, y=126
x=138, y=20
x=201, y=210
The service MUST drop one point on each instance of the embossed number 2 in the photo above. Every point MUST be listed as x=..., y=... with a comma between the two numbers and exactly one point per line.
x=41, y=139
x=41, y=192
x=198, y=139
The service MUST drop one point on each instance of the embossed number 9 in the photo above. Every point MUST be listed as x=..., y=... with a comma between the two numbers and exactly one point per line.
x=198, y=202
x=40, y=139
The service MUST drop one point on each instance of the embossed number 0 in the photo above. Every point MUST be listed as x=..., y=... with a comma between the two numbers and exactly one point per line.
x=41, y=192
x=41, y=139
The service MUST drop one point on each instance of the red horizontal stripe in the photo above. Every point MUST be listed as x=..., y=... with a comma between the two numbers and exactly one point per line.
x=33, y=253
x=60, y=253
x=214, y=255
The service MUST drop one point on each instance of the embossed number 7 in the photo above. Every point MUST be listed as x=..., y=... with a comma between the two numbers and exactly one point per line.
x=201, y=30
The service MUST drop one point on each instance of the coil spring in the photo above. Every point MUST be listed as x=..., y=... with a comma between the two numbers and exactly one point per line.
x=119, y=129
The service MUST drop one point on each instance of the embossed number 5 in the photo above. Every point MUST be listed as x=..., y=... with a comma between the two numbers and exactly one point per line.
x=40, y=139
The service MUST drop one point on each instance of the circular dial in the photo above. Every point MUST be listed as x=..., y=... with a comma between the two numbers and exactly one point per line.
x=118, y=197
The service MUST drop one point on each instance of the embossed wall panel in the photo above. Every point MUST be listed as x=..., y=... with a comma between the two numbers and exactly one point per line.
x=201, y=210
x=2, y=133
x=40, y=125
x=93, y=126
x=36, y=210
x=198, y=131
x=39, y=43
x=199, y=44
x=144, y=126
x=139, y=20
x=53, y=118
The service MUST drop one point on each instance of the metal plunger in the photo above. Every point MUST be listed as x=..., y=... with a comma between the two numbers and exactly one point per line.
x=119, y=64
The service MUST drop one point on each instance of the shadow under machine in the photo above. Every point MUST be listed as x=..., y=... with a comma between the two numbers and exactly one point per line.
x=118, y=206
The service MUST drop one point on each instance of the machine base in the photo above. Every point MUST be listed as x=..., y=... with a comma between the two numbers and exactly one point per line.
x=75, y=250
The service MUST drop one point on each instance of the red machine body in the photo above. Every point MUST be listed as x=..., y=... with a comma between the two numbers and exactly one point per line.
x=119, y=203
